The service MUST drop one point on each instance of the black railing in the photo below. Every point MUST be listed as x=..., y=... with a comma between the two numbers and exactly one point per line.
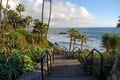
x=98, y=69
x=88, y=62
x=65, y=51
x=75, y=53
x=46, y=57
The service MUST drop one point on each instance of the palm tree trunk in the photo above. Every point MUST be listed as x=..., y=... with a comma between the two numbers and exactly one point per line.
x=7, y=3
x=70, y=44
x=0, y=13
x=42, y=18
x=49, y=18
x=113, y=51
x=5, y=15
x=28, y=27
x=81, y=44
x=74, y=43
x=20, y=14
x=42, y=11
x=107, y=50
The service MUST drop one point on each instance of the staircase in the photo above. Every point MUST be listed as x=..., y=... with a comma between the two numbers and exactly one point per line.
x=67, y=69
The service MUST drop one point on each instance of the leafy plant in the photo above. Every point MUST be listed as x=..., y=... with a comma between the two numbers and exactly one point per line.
x=14, y=64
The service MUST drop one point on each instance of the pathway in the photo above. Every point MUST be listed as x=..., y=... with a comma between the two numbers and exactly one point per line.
x=67, y=69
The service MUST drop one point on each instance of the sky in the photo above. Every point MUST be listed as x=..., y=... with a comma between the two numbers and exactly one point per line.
x=74, y=13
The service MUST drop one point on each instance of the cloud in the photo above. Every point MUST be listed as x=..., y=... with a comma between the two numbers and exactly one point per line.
x=63, y=14
x=12, y=3
x=69, y=15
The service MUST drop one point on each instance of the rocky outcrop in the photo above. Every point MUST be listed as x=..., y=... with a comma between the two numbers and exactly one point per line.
x=115, y=73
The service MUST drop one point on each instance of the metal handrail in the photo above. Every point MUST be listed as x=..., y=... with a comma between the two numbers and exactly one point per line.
x=101, y=62
x=65, y=49
x=73, y=51
x=91, y=60
x=44, y=54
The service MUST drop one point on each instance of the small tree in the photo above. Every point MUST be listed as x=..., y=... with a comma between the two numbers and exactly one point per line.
x=105, y=41
x=111, y=42
x=114, y=42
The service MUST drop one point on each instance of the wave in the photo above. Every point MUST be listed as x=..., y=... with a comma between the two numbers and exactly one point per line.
x=63, y=41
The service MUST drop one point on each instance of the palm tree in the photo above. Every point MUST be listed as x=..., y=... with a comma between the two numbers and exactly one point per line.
x=42, y=18
x=83, y=40
x=71, y=34
x=37, y=27
x=49, y=17
x=106, y=41
x=28, y=20
x=44, y=29
x=20, y=8
x=0, y=13
x=114, y=42
x=13, y=18
x=75, y=35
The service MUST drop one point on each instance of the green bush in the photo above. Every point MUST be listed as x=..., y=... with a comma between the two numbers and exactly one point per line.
x=33, y=51
x=14, y=64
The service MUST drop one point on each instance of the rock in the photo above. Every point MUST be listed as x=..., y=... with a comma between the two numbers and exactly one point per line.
x=35, y=75
x=62, y=33
x=119, y=79
x=115, y=73
x=30, y=76
x=118, y=54
x=114, y=77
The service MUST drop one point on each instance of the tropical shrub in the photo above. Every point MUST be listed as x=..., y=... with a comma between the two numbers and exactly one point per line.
x=19, y=50
x=13, y=64
x=33, y=51
x=111, y=42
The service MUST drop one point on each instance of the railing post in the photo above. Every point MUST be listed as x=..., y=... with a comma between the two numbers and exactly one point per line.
x=47, y=65
x=53, y=56
x=91, y=65
x=101, y=68
x=50, y=65
x=42, y=75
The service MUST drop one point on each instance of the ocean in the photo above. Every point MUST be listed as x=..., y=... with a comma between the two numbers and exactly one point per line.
x=94, y=36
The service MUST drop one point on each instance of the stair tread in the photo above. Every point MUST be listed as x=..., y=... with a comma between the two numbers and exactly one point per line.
x=78, y=78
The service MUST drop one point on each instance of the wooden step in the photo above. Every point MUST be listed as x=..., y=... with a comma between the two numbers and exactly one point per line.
x=58, y=78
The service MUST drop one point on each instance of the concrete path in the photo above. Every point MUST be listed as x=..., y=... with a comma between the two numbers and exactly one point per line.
x=67, y=69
